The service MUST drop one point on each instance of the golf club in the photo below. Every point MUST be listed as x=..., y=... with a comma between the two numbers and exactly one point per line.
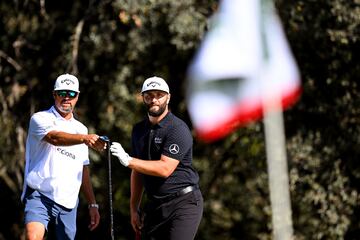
x=108, y=142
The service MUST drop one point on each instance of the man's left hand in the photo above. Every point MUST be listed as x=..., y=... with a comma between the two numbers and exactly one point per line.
x=94, y=218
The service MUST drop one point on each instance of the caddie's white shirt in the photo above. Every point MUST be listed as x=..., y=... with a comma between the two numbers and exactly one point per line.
x=55, y=171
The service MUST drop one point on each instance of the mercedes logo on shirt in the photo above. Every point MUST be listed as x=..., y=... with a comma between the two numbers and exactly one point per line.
x=174, y=148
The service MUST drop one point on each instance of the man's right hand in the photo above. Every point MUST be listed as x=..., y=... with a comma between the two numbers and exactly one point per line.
x=118, y=151
x=93, y=141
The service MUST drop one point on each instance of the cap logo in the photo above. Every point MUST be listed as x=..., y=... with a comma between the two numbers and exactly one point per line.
x=67, y=81
x=153, y=84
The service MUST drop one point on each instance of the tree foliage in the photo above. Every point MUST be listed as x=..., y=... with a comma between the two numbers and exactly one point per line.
x=112, y=46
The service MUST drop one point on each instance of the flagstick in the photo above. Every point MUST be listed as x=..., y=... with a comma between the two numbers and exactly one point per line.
x=278, y=172
x=274, y=123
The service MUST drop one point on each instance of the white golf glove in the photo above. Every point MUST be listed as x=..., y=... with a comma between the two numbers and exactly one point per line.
x=118, y=151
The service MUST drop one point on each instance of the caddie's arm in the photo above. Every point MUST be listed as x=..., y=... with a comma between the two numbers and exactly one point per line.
x=87, y=189
x=59, y=138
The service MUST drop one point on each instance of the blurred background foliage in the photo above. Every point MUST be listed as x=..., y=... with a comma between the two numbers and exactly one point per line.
x=112, y=46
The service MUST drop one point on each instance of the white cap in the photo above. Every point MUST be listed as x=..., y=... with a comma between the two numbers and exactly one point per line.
x=67, y=82
x=155, y=83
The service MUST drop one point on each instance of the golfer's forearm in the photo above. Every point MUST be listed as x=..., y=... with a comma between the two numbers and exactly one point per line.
x=134, y=205
x=158, y=168
x=136, y=190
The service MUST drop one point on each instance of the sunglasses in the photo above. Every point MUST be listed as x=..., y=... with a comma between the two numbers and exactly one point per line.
x=64, y=93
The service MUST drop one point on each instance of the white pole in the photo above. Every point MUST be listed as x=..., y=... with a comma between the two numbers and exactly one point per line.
x=277, y=71
x=278, y=174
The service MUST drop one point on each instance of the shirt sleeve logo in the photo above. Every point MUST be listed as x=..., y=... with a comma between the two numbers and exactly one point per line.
x=174, y=148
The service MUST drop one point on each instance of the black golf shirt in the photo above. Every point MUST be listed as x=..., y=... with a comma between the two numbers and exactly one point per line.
x=172, y=138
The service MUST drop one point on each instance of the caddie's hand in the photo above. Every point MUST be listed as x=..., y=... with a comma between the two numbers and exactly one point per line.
x=118, y=151
x=93, y=141
x=94, y=218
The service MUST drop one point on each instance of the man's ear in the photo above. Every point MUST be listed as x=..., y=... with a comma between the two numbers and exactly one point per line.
x=168, y=100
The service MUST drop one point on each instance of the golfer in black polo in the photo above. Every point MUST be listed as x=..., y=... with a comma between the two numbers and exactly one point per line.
x=161, y=164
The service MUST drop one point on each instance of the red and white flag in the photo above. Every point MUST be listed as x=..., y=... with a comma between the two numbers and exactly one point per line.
x=243, y=61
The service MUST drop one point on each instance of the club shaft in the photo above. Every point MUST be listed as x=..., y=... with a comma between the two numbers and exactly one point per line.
x=110, y=192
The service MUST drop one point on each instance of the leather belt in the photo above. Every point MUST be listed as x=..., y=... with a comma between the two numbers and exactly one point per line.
x=182, y=192
x=185, y=191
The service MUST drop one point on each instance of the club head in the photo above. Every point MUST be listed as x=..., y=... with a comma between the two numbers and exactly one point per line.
x=104, y=138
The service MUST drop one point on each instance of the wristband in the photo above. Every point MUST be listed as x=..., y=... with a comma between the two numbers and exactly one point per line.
x=93, y=205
